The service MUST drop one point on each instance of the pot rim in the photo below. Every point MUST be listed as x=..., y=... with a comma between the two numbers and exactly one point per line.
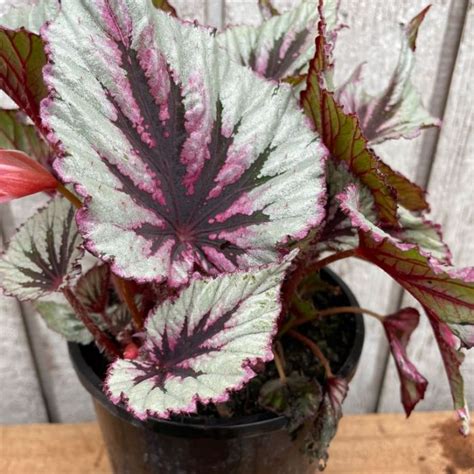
x=244, y=426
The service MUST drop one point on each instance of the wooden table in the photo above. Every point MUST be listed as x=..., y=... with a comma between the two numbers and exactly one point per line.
x=385, y=443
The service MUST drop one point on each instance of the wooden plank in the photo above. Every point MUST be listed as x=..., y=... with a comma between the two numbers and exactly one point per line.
x=21, y=399
x=66, y=399
x=450, y=188
x=426, y=443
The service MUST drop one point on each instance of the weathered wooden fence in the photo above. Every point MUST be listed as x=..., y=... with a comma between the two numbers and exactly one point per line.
x=37, y=383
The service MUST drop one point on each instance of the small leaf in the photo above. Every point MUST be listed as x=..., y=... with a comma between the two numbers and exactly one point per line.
x=452, y=358
x=17, y=134
x=209, y=168
x=21, y=176
x=31, y=15
x=327, y=419
x=283, y=44
x=399, y=328
x=42, y=256
x=398, y=111
x=22, y=58
x=201, y=345
x=60, y=317
x=298, y=399
x=465, y=333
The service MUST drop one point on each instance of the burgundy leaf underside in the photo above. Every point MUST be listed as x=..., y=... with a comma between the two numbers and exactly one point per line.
x=21, y=60
x=190, y=209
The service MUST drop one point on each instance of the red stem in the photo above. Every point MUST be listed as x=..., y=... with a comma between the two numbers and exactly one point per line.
x=124, y=289
x=303, y=271
x=314, y=349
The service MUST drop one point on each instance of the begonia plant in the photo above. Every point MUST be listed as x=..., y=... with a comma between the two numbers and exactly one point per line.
x=212, y=174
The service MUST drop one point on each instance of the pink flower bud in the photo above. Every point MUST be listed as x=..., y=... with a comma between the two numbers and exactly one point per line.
x=131, y=351
x=21, y=176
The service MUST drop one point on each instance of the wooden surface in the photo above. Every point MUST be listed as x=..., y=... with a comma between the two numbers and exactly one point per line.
x=388, y=443
x=38, y=383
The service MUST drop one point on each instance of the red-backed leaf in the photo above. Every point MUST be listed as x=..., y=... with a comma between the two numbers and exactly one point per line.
x=465, y=333
x=326, y=422
x=201, y=345
x=17, y=134
x=165, y=6
x=452, y=358
x=342, y=135
x=21, y=176
x=22, y=58
x=398, y=111
x=189, y=162
x=446, y=292
x=399, y=328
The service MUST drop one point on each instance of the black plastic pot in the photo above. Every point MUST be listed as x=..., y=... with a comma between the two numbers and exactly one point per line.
x=251, y=445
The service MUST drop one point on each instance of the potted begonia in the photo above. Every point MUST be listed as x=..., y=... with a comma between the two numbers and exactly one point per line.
x=200, y=182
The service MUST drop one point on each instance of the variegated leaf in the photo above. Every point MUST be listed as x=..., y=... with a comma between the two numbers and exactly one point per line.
x=31, y=15
x=42, y=256
x=413, y=231
x=399, y=328
x=201, y=345
x=60, y=317
x=22, y=58
x=283, y=44
x=398, y=111
x=17, y=134
x=188, y=161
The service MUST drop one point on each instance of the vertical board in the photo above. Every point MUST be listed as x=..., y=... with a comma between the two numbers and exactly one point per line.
x=66, y=399
x=450, y=186
x=21, y=399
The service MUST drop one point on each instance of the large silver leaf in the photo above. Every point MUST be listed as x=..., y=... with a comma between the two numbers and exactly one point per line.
x=201, y=345
x=42, y=256
x=30, y=14
x=189, y=162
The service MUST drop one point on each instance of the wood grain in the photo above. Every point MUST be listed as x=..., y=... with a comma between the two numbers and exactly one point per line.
x=426, y=443
x=450, y=188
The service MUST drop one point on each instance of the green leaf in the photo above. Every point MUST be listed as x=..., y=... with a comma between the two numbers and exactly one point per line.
x=22, y=58
x=42, y=256
x=60, y=317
